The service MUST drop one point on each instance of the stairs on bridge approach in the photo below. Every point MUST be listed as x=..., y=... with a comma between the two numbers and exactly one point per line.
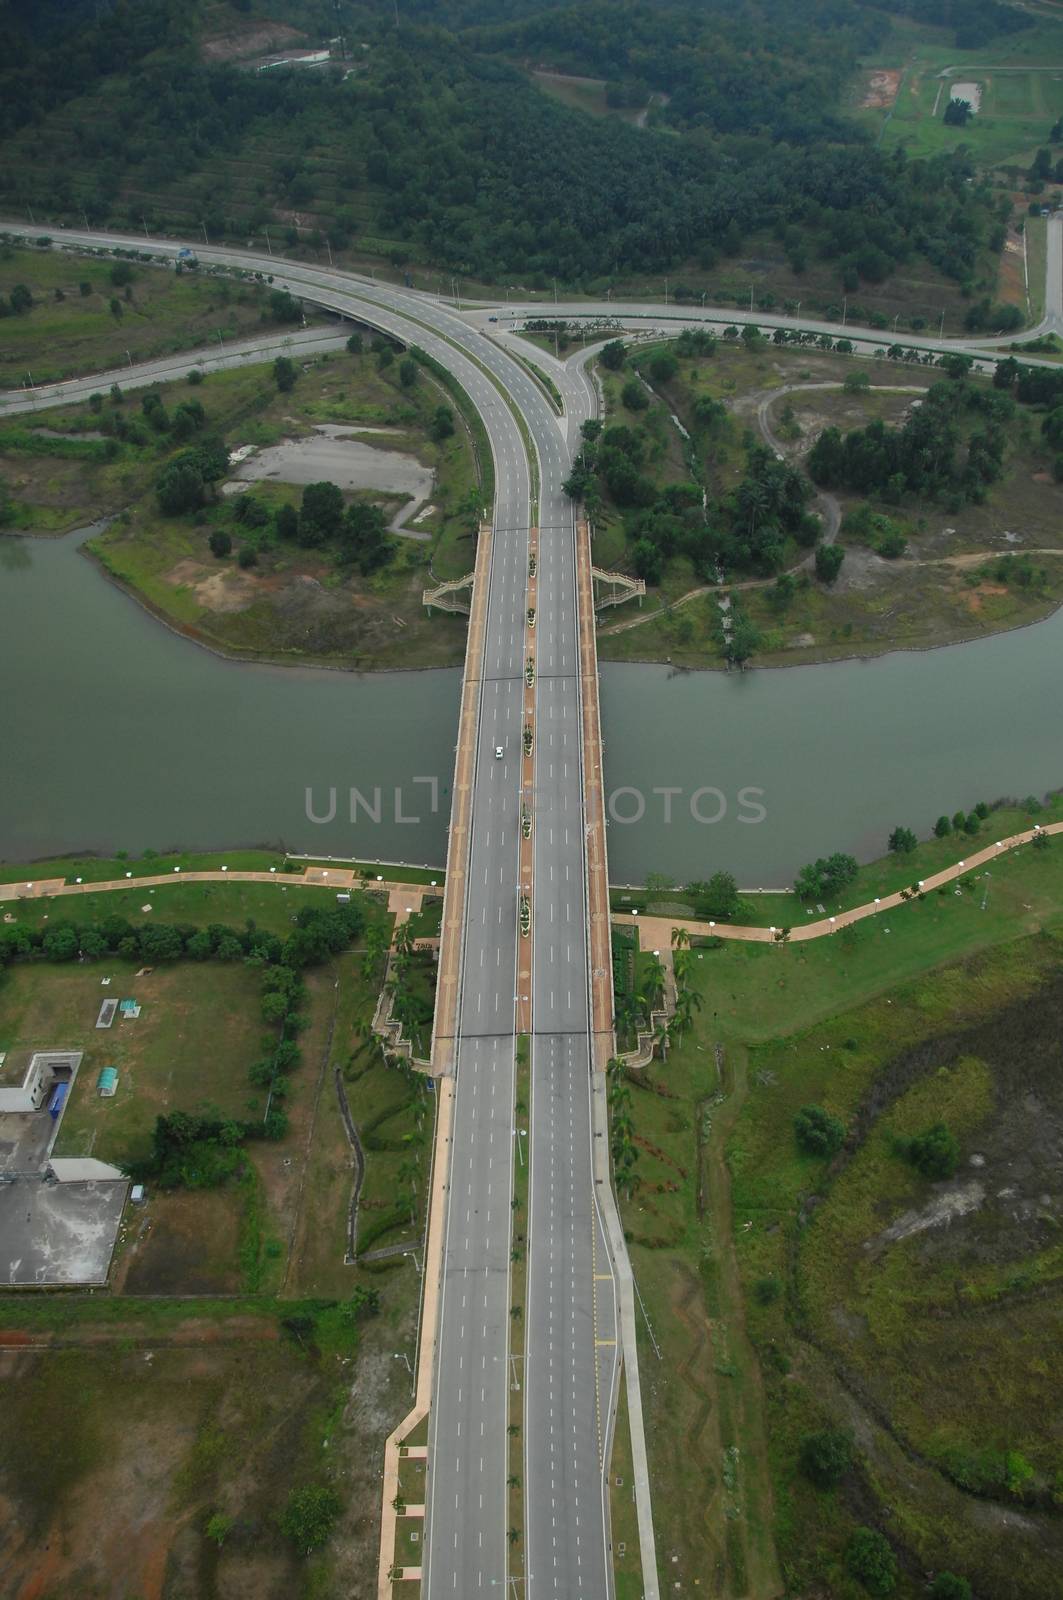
x=613, y=588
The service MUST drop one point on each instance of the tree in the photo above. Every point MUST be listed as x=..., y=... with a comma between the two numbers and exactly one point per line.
x=354, y=344
x=709, y=413
x=219, y=1526
x=870, y=1558
x=825, y=1457
x=287, y=523
x=408, y=372
x=818, y=1133
x=745, y=640
x=364, y=1302
x=942, y=828
x=283, y=307
x=284, y=373
x=947, y=1586
x=442, y=423
x=783, y=592
x=180, y=488
x=957, y=113
x=647, y=560
x=663, y=367
x=187, y=419
x=220, y=543
x=612, y=355
x=902, y=841
x=310, y=1516
x=60, y=942
x=826, y=876
x=829, y=558
x=718, y=897
x=320, y=513
x=364, y=539
x=21, y=299
x=633, y=395
x=935, y=1152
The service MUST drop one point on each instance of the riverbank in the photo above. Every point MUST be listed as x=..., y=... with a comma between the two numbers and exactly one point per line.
x=222, y=575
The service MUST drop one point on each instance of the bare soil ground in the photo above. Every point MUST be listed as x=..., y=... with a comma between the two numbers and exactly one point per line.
x=244, y=40
x=881, y=89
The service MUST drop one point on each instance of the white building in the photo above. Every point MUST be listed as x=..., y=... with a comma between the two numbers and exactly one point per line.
x=46, y=1069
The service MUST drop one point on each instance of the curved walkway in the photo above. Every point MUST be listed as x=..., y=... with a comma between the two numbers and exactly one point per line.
x=401, y=896
x=658, y=930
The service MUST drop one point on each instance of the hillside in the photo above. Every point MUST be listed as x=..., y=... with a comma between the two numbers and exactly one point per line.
x=431, y=145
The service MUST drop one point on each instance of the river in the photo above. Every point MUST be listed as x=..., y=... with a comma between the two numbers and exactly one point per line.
x=117, y=734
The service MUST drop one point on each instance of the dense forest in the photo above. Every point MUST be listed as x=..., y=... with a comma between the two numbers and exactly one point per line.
x=439, y=148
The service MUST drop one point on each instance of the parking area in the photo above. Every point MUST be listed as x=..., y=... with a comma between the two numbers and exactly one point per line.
x=55, y=1234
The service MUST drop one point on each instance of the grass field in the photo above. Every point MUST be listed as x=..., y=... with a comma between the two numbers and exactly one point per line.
x=1020, y=76
x=226, y=1404
x=912, y=1343
x=67, y=332
x=771, y=1324
x=225, y=1407
x=197, y=1034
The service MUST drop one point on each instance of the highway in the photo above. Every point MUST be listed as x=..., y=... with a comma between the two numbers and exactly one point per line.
x=571, y=1366
x=573, y=1333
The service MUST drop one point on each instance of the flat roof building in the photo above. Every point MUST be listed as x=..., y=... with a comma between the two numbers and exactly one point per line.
x=29, y=1090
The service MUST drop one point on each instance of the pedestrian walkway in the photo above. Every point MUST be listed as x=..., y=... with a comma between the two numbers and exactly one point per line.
x=400, y=895
x=656, y=932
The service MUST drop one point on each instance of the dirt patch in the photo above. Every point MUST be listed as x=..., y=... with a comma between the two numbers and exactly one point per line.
x=881, y=90
x=1011, y=275
x=223, y=591
x=253, y=39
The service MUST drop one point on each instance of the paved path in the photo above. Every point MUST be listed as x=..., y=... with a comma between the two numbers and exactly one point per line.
x=400, y=895
x=656, y=932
